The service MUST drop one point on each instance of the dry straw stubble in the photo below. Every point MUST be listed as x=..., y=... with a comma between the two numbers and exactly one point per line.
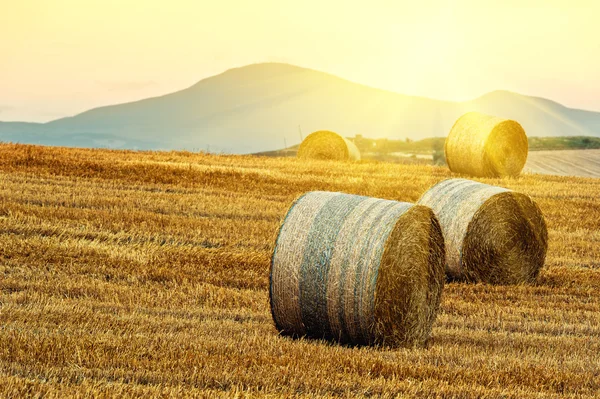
x=138, y=301
x=327, y=145
x=357, y=270
x=486, y=146
x=492, y=234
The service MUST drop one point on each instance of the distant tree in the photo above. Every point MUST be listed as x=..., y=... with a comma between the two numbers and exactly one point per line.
x=383, y=146
x=439, y=158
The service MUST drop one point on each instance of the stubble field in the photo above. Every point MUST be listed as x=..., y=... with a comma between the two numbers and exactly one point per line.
x=585, y=163
x=146, y=274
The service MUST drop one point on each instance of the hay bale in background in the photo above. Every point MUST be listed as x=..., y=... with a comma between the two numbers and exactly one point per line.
x=486, y=146
x=328, y=145
x=492, y=234
x=357, y=270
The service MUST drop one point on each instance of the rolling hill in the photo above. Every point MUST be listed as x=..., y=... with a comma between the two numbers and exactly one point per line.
x=260, y=107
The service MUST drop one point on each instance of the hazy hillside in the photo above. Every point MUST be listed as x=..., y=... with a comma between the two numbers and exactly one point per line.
x=257, y=107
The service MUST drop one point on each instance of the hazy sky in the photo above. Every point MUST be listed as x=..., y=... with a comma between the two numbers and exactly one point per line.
x=61, y=57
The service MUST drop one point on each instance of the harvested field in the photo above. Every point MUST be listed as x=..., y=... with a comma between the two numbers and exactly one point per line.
x=146, y=274
x=585, y=163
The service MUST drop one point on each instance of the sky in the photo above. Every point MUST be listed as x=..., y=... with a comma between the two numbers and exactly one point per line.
x=62, y=57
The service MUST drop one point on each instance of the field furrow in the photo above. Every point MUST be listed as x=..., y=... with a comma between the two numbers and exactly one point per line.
x=142, y=274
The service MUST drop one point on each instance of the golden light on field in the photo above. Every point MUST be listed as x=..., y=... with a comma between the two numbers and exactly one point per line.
x=146, y=274
x=64, y=56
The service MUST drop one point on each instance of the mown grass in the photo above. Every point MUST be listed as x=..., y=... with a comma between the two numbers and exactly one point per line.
x=145, y=274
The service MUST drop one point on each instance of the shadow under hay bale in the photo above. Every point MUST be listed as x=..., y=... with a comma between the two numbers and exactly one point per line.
x=357, y=270
x=492, y=234
x=327, y=145
x=486, y=146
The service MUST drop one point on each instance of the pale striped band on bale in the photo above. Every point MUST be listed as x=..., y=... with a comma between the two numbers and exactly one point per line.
x=357, y=270
x=327, y=145
x=492, y=234
x=486, y=146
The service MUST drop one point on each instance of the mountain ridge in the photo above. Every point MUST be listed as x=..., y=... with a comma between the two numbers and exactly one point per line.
x=261, y=107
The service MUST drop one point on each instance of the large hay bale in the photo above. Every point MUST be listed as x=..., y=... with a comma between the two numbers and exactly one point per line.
x=486, y=146
x=492, y=234
x=357, y=270
x=328, y=145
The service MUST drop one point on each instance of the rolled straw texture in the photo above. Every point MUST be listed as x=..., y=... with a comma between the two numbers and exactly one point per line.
x=486, y=146
x=492, y=234
x=357, y=270
x=328, y=145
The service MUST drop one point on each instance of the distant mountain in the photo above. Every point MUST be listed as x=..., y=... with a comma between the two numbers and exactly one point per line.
x=259, y=107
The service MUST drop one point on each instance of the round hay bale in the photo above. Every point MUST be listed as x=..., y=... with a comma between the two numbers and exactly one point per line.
x=357, y=270
x=492, y=234
x=486, y=146
x=328, y=145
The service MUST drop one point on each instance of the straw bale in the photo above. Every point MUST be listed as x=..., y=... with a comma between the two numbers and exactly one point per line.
x=357, y=270
x=486, y=146
x=492, y=234
x=324, y=144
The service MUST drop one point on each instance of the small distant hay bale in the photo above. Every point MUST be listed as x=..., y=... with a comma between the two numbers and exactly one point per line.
x=492, y=234
x=357, y=270
x=486, y=146
x=329, y=146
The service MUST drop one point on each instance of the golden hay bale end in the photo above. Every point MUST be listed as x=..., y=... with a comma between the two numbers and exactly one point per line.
x=357, y=270
x=486, y=146
x=492, y=234
x=328, y=145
